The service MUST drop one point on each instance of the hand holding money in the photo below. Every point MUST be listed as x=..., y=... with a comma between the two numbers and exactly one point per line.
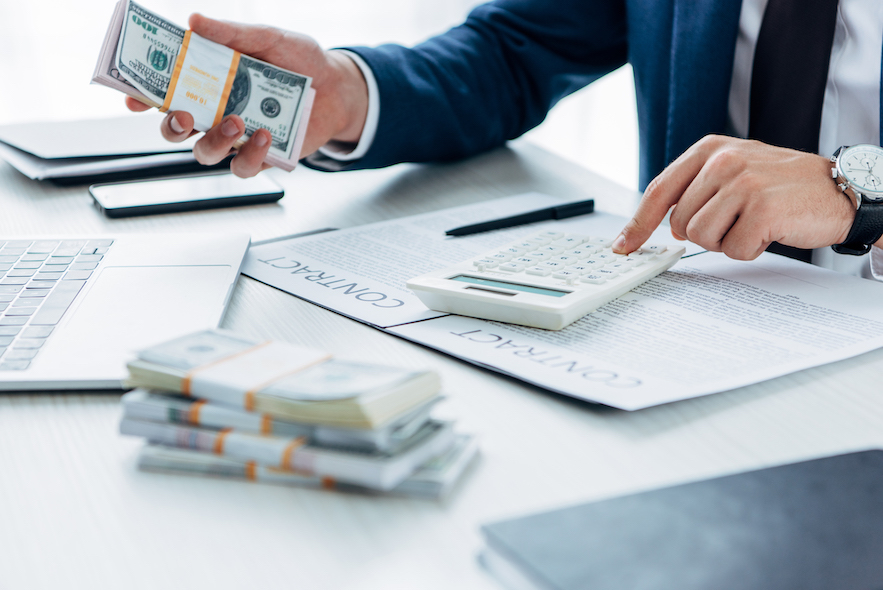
x=339, y=113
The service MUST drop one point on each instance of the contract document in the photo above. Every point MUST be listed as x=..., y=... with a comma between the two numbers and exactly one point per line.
x=709, y=324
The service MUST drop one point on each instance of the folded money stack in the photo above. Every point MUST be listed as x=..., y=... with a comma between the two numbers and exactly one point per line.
x=215, y=403
x=162, y=65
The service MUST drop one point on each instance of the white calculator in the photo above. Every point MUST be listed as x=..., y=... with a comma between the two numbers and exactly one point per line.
x=548, y=280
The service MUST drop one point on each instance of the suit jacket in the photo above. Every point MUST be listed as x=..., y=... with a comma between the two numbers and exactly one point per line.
x=496, y=76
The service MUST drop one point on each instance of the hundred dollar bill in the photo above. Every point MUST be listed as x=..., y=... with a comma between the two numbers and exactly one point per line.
x=153, y=406
x=285, y=381
x=158, y=63
x=375, y=470
x=434, y=480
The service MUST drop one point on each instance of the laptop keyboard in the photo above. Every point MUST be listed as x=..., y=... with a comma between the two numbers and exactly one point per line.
x=39, y=280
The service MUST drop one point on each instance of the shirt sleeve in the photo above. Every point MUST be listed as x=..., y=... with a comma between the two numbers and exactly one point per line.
x=346, y=152
x=877, y=263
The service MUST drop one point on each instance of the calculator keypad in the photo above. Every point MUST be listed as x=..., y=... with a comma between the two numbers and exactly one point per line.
x=573, y=258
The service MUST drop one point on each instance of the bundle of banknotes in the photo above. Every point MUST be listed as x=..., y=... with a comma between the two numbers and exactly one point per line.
x=165, y=66
x=217, y=404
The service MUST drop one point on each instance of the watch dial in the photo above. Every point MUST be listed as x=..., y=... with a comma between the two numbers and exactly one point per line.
x=862, y=165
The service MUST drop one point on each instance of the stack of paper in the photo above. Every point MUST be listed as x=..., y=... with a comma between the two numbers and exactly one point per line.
x=213, y=403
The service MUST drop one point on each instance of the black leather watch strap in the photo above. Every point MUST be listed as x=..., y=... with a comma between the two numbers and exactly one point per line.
x=866, y=229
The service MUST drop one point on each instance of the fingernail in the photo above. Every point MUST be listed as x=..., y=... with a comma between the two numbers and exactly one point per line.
x=260, y=139
x=229, y=128
x=618, y=243
x=176, y=127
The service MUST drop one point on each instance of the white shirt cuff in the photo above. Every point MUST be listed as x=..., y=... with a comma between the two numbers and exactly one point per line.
x=877, y=263
x=343, y=152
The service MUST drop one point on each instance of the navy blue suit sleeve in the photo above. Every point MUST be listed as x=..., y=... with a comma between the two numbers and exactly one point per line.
x=490, y=79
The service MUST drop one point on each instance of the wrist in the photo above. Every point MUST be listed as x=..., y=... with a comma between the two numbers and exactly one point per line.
x=845, y=200
x=350, y=97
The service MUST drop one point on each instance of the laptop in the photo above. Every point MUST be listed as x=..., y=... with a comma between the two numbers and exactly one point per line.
x=75, y=309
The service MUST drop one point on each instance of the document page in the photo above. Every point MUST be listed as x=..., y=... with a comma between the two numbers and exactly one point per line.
x=361, y=272
x=707, y=325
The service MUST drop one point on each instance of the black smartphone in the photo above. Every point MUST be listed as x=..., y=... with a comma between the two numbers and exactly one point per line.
x=171, y=195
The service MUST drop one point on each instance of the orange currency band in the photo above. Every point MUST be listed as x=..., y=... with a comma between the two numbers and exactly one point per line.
x=250, y=394
x=228, y=85
x=195, y=409
x=187, y=381
x=288, y=453
x=179, y=64
x=219, y=442
x=251, y=471
x=266, y=424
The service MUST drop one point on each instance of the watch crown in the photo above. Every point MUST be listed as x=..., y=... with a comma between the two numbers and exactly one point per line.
x=833, y=172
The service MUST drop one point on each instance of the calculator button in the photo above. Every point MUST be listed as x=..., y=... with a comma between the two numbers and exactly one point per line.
x=564, y=274
x=580, y=253
x=566, y=259
x=551, y=235
x=656, y=249
x=620, y=267
x=514, y=250
x=526, y=260
x=569, y=241
x=633, y=260
x=606, y=258
x=551, y=264
x=643, y=255
x=483, y=263
x=525, y=246
x=510, y=267
x=607, y=272
x=581, y=268
x=603, y=242
x=538, y=241
x=540, y=255
x=539, y=271
x=592, y=263
x=594, y=279
x=499, y=257
x=551, y=249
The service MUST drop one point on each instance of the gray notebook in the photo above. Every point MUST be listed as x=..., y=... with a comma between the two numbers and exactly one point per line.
x=809, y=526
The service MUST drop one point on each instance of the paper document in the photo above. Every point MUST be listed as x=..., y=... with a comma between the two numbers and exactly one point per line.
x=707, y=325
x=361, y=272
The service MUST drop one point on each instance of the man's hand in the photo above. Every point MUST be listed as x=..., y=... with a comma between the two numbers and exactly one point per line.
x=339, y=110
x=737, y=196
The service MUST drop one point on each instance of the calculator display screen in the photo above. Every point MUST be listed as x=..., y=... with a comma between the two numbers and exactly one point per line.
x=505, y=285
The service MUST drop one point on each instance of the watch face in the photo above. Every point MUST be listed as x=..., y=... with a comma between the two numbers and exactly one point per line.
x=862, y=166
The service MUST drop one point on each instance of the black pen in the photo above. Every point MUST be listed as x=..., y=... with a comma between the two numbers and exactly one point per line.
x=557, y=212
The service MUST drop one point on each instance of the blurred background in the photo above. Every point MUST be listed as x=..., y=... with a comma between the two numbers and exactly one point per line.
x=48, y=51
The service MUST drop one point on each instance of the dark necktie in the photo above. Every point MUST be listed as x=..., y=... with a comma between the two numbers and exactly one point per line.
x=788, y=79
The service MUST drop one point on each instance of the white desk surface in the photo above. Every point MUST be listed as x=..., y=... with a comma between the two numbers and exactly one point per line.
x=74, y=512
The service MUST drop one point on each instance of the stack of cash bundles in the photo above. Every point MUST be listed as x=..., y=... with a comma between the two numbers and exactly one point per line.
x=215, y=403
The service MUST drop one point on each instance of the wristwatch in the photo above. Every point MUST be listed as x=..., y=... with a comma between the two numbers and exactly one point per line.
x=859, y=169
